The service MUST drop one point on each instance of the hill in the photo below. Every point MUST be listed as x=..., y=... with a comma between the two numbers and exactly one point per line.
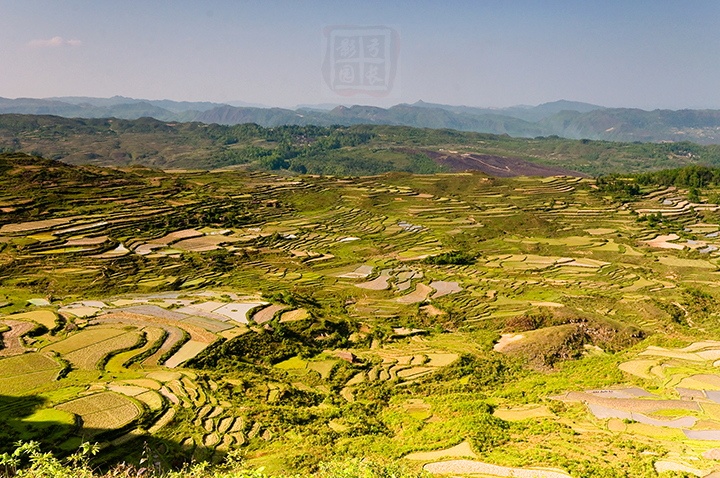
x=526, y=113
x=563, y=118
x=124, y=110
x=569, y=119
x=621, y=124
x=353, y=150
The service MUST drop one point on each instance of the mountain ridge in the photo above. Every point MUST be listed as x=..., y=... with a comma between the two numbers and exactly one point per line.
x=567, y=119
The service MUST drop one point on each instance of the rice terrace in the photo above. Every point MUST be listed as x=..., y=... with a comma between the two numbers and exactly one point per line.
x=455, y=322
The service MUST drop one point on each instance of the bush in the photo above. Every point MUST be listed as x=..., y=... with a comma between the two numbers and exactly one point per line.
x=366, y=469
x=452, y=257
x=29, y=461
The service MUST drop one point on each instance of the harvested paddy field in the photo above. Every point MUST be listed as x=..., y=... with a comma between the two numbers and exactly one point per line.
x=25, y=372
x=293, y=315
x=189, y=350
x=516, y=414
x=267, y=314
x=84, y=338
x=418, y=295
x=101, y=412
x=89, y=356
x=46, y=318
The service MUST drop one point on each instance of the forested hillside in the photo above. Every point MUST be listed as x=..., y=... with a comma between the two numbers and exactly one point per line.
x=342, y=150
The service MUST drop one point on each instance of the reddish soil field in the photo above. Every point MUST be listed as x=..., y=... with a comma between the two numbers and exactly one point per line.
x=496, y=165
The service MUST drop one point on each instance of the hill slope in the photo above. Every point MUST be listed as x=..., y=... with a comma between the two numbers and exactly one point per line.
x=356, y=150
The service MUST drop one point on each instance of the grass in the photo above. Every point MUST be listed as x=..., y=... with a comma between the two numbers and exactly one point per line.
x=48, y=417
x=292, y=363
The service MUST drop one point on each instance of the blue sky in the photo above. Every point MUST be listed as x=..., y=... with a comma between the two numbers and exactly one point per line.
x=646, y=54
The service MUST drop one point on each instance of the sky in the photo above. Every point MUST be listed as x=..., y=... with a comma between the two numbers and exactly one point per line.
x=489, y=53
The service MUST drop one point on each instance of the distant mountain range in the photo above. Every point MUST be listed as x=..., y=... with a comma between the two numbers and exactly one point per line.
x=568, y=119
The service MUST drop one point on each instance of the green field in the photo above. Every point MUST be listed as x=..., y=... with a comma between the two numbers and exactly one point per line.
x=504, y=320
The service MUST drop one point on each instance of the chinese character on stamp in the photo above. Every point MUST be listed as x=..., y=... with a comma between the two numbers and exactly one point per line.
x=360, y=60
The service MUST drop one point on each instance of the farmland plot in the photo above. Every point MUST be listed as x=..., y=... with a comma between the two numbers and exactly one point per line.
x=84, y=338
x=33, y=225
x=360, y=273
x=174, y=334
x=210, y=325
x=87, y=357
x=418, y=295
x=444, y=288
x=153, y=335
x=25, y=372
x=469, y=467
x=538, y=252
x=46, y=318
x=266, y=314
x=380, y=283
x=237, y=311
x=11, y=344
x=293, y=315
x=189, y=350
x=101, y=412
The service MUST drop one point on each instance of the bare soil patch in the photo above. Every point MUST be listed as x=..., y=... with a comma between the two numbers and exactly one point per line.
x=498, y=166
x=11, y=344
x=418, y=295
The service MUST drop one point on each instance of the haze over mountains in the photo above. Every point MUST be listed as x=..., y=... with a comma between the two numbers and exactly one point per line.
x=568, y=119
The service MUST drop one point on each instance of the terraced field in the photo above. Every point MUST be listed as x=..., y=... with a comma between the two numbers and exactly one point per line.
x=21, y=373
x=472, y=325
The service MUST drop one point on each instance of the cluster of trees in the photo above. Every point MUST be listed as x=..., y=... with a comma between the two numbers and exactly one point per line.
x=617, y=185
x=695, y=176
x=286, y=146
x=452, y=257
x=692, y=177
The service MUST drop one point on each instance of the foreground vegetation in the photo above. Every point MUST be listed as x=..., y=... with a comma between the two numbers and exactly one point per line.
x=27, y=460
x=435, y=322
